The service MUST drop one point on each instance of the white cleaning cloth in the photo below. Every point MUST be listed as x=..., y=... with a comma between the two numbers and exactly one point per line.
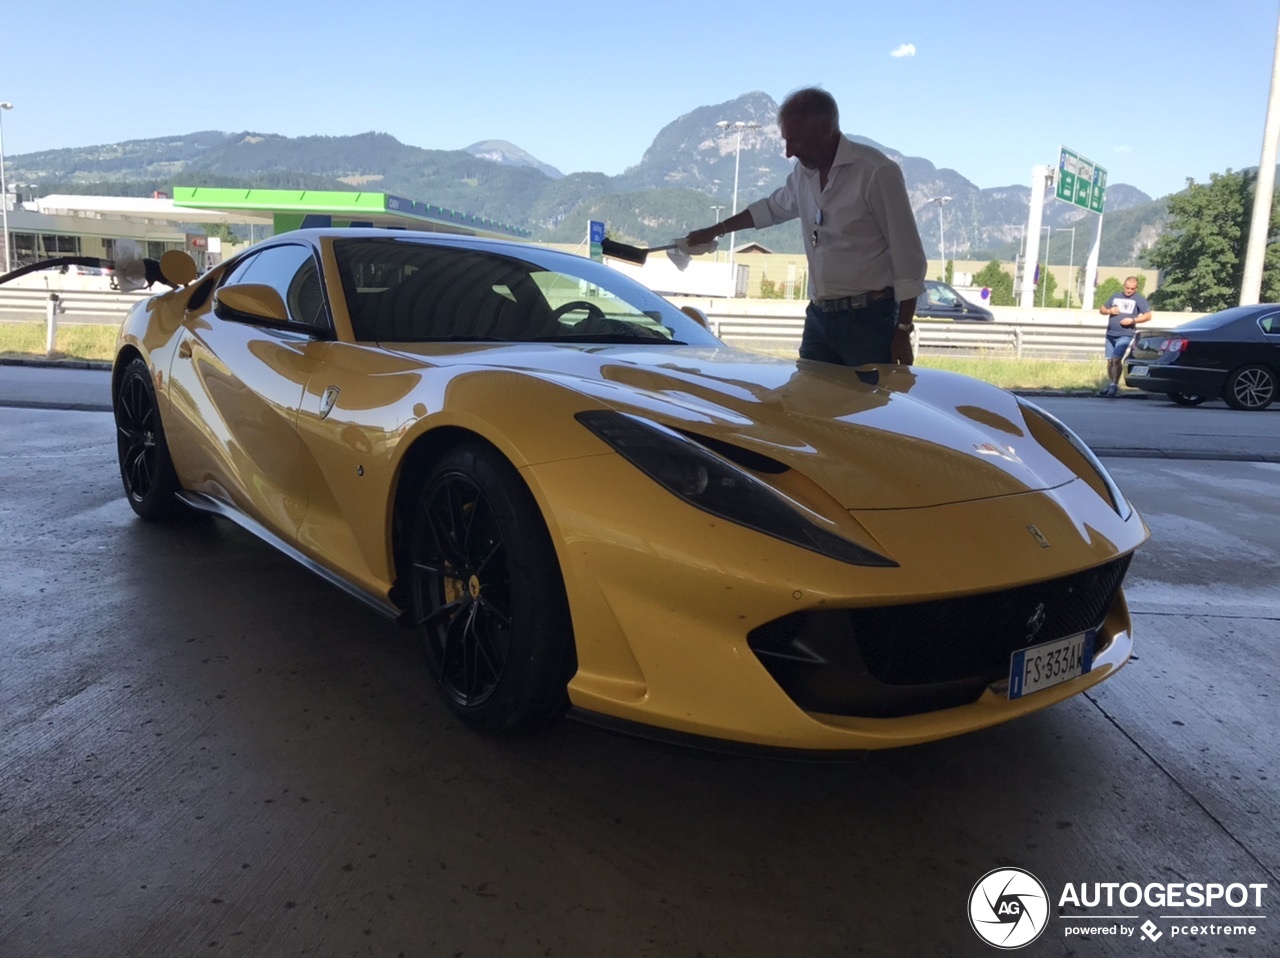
x=130, y=271
x=682, y=251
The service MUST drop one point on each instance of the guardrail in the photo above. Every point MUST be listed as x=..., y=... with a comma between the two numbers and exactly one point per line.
x=1039, y=340
x=1032, y=340
x=19, y=304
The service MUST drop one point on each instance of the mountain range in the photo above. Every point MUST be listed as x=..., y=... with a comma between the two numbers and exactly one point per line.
x=685, y=179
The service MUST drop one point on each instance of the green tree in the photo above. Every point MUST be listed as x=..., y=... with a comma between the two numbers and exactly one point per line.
x=1045, y=290
x=998, y=281
x=950, y=273
x=769, y=289
x=1106, y=290
x=220, y=231
x=1202, y=250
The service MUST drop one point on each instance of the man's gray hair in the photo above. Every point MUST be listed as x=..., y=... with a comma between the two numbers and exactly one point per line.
x=811, y=103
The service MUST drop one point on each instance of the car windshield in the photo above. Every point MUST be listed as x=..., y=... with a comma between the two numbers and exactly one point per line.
x=413, y=291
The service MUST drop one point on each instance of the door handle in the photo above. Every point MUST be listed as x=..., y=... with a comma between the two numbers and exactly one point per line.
x=184, y=349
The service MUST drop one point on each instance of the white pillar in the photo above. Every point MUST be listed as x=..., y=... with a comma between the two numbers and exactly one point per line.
x=1260, y=225
x=1091, y=270
x=1039, y=175
x=51, y=310
x=4, y=194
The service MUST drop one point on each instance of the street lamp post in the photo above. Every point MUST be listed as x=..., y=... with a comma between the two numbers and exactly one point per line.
x=715, y=211
x=942, y=236
x=1044, y=289
x=4, y=191
x=738, y=126
x=1071, y=262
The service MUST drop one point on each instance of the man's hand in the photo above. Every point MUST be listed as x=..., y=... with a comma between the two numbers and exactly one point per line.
x=1127, y=321
x=708, y=235
x=900, y=350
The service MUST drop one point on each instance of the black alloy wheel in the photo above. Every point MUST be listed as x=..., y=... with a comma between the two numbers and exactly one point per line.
x=487, y=595
x=145, y=467
x=1250, y=387
x=1182, y=399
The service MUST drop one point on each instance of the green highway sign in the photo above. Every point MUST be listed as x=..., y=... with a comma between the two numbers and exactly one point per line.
x=1081, y=182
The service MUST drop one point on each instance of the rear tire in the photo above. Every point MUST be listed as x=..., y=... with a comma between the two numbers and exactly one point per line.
x=1251, y=388
x=146, y=470
x=1182, y=399
x=487, y=594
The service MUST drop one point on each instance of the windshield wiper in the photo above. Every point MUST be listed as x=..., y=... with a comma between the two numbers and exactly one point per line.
x=459, y=339
x=609, y=338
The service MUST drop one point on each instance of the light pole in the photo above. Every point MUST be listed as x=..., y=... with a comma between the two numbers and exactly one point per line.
x=1071, y=262
x=1044, y=289
x=942, y=236
x=738, y=126
x=4, y=191
x=715, y=211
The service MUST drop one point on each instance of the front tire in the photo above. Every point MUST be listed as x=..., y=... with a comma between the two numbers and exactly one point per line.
x=1251, y=388
x=487, y=595
x=146, y=470
x=1182, y=399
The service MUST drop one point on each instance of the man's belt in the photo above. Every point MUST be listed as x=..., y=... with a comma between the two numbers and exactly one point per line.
x=859, y=301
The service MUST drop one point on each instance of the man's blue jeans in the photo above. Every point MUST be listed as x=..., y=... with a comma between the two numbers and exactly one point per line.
x=850, y=337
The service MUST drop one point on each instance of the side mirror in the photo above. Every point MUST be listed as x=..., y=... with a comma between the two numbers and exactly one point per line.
x=178, y=268
x=697, y=315
x=253, y=302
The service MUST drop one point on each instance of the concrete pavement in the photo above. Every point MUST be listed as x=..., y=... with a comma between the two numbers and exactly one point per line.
x=204, y=749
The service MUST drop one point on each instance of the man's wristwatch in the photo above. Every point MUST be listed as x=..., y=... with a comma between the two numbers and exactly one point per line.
x=906, y=327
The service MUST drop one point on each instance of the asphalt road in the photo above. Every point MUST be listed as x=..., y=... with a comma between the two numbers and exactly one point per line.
x=204, y=749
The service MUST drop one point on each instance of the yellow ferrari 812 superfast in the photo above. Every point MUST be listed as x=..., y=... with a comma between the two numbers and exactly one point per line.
x=580, y=500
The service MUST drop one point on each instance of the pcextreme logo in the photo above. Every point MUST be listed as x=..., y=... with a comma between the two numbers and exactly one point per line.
x=1009, y=909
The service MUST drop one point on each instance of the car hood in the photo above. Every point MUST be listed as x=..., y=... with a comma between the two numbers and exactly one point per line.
x=879, y=437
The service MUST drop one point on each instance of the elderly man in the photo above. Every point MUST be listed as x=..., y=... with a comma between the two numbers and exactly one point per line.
x=866, y=262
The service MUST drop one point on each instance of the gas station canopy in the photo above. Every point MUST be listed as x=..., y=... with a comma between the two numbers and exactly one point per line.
x=283, y=210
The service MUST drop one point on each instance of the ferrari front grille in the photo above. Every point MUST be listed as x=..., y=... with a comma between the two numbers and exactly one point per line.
x=922, y=656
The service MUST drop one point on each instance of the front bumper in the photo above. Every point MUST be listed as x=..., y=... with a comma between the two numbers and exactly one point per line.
x=665, y=600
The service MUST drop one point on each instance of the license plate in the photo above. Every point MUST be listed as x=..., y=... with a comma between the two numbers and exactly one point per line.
x=1137, y=370
x=1052, y=663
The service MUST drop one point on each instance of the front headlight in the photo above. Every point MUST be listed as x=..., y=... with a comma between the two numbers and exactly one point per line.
x=1118, y=500
x=704, y=480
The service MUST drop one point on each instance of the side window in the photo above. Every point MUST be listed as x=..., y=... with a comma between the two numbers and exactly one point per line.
x=291, y=271
x=1270, y=324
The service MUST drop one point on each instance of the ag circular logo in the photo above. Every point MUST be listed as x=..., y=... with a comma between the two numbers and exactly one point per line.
x=1008, y=908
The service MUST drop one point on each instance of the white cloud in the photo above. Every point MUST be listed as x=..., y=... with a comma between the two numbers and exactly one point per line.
x=1124, y=149
x=904, y=50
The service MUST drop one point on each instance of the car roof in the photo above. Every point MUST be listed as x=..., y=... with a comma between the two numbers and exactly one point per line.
x=1243, y=315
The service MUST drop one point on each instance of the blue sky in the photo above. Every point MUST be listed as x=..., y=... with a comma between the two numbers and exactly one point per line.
x=1154, y=90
